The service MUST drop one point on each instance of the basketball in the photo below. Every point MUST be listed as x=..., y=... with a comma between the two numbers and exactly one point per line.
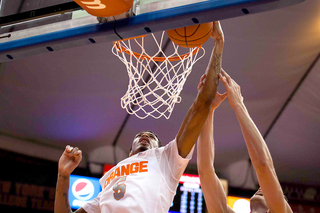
x=191, y=36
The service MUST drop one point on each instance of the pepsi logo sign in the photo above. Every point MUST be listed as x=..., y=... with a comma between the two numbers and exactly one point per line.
x=82, y=189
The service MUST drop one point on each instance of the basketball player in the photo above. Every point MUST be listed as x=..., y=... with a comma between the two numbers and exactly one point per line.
x=269, y=198
x=146, y=181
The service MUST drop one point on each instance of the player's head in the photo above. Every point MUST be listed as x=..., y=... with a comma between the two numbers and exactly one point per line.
x=143, y=141
x=258, y=202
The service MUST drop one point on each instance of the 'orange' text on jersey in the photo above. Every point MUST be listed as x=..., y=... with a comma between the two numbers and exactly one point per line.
x=131, y=168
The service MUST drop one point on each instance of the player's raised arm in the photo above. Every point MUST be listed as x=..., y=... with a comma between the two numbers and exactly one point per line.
x=258, y=151
x=215, y=197
x=198, y=112
x=69, y=160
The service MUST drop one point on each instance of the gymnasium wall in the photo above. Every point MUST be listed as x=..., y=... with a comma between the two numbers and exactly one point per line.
x=27, y=184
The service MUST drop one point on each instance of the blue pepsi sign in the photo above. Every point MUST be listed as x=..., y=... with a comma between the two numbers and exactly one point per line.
x=82, y=189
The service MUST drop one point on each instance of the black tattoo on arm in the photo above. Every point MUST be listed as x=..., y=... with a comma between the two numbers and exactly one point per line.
x=65, y=195
x=64, y=177
x=63, y=202
x=217, y=66
x=216, y=63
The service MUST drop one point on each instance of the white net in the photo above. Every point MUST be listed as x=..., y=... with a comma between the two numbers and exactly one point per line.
x=155, y=81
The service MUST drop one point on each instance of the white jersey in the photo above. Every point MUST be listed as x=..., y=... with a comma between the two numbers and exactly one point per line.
x=143, y=183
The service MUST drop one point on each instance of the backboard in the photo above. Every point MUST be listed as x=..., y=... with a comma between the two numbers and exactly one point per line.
x=32, y=27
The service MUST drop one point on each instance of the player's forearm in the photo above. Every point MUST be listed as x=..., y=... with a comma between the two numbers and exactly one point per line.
x=262, y=162
x=205, y=149
x=191, y=127
x=215, y=63
x=210, y=85
x=61, y=203
x=257, y=148
x=212, y=189
x=198, y=112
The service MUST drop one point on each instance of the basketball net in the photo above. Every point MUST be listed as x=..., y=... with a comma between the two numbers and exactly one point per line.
x=155, y=81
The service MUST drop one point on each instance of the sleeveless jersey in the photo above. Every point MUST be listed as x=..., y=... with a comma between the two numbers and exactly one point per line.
x=143, y=183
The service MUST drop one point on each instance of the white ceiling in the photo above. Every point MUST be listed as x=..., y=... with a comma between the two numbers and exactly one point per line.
x=73, y=96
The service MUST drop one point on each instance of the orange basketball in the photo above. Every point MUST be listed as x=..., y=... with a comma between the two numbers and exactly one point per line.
x=105, y=8
x=192, y=36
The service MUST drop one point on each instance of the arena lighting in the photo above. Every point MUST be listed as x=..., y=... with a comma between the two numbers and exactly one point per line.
x=239, y=204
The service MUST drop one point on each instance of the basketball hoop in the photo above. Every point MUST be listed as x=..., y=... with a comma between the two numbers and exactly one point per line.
x=155, y=80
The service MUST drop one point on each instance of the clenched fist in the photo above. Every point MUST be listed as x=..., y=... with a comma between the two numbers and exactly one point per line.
x=69, y=160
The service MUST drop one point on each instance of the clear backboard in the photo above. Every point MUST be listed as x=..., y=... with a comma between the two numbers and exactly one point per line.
x=32, y=27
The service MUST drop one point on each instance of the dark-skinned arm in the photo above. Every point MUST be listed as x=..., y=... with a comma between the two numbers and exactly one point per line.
x=69, y=160
x=199, y=110
x=214, y=194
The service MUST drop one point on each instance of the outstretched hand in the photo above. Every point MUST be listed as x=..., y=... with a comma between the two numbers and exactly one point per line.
x=217, y=33
x=218, y=99
x=233, y=89
x=69, y=160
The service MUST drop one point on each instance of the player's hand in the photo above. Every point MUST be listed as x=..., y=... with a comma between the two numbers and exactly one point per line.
x=69, y=160
x=233, y=90
x=217, y=33
x=218, y=99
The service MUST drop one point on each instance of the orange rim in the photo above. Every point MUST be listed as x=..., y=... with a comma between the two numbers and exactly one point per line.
x=121, y=48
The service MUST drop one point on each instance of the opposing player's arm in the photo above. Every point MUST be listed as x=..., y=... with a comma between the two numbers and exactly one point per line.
x=69, y=160
x=258, y=150
x=197, y=114
x=215, y=197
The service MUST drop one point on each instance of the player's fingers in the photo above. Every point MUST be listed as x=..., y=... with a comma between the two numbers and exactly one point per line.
x=75, y=150
x=235, y=84
x=201, y=81
x=79, y=152
x=203, y=77
x=78, y=157
x=226, y=76
x=68, y=148
x=223, y=96
x=224, y=80
x=216, y=24
x=223, y=71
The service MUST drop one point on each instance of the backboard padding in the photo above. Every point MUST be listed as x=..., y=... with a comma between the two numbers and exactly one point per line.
x=12, y=48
